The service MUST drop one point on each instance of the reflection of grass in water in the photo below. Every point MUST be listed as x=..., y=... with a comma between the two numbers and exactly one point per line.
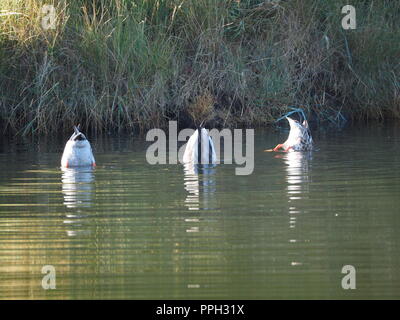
x=122, y=64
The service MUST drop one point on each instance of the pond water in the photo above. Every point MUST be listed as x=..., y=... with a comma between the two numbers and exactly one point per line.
x=130, y=230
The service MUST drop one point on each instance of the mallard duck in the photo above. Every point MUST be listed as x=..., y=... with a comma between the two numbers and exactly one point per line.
x=200, y=148
x=299, y=137
x=77, y=151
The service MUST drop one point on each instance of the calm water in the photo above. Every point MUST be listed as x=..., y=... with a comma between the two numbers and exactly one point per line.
x=129, y=230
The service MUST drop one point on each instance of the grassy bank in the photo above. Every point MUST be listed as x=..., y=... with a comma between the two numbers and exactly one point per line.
x=134, y=65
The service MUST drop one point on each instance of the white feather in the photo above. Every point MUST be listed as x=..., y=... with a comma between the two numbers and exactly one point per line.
x=299, y=137
x=77, y=154
x=192, y=147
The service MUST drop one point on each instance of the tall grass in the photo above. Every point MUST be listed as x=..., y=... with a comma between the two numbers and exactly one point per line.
x=132, y=65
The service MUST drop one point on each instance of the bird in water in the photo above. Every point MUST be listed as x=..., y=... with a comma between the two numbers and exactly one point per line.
x=77, y=151
x=299, y=139
x=200, y=148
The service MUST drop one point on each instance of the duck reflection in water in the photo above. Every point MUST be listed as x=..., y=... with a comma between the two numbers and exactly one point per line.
x=199, y=182
x=297, y=174
x=298, y=165
x=77, y=189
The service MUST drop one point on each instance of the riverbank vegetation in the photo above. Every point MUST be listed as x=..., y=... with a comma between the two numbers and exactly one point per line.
x=134, y=65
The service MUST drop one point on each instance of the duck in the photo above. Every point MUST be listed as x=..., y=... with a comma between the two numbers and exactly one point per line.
x=299, y=139
x=77, y=151
x=200, y=148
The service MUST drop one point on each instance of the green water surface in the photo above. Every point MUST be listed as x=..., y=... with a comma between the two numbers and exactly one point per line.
x=130, y=230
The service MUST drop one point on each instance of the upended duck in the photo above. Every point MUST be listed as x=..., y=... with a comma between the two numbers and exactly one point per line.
x=299, y=139
x=200, y=148
x=77, y=151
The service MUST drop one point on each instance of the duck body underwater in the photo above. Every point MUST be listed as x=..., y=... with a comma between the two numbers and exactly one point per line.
x=77, y=151
x=299, y=138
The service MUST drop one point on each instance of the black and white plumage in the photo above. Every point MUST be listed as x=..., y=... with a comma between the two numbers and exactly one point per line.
x=200, y=148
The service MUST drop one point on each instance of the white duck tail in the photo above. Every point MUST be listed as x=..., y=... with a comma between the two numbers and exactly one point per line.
x=200, y=148
x=77, y=151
